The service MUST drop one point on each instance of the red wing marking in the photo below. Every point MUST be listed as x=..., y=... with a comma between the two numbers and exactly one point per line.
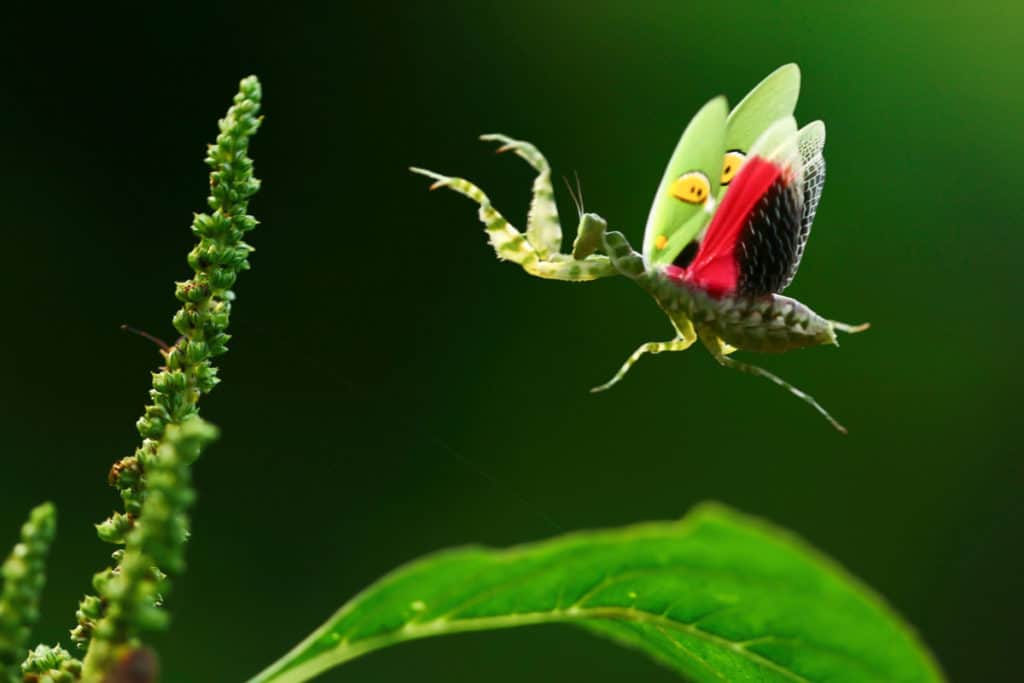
x=716, y=268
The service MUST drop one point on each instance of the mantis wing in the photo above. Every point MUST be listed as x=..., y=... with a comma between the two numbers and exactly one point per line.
x=686, y=195
x=772, y=99
x=674, y=231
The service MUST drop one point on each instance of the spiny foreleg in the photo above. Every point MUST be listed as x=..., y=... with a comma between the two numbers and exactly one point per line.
x=537, y=251
x=543, y=229
x=509, y=244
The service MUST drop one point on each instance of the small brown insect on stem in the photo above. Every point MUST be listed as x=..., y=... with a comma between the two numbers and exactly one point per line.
x=164, y=346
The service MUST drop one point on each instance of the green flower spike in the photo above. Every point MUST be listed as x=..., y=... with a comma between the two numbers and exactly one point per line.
x=154, y=483
x=48, y=664
x=23, y=580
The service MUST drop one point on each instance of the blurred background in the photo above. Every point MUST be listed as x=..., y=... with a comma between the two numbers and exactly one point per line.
x=393, y=389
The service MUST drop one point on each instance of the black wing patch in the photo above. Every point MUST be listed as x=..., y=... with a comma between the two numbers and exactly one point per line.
x=769, y=246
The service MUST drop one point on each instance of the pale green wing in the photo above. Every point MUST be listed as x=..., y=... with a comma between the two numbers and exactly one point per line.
x=772, y=99
x=686, y=195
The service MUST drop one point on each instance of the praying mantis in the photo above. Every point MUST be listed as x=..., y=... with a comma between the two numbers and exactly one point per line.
x=724, y=237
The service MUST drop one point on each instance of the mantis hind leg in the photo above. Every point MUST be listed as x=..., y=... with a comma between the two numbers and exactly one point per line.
x=684, y=340
x=718, y=349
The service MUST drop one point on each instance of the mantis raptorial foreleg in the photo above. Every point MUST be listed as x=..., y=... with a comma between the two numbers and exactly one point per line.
x=543, y=229
x=538, y=249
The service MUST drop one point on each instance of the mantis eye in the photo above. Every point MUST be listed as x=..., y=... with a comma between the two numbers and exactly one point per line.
x=692, y=188
x=731, y=165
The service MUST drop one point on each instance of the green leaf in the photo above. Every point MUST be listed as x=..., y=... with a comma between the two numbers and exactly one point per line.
x=717, y=596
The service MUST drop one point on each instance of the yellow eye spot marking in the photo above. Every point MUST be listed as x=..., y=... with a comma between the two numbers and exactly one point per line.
x=660, y=242
x=692, y=188
x=731, y=165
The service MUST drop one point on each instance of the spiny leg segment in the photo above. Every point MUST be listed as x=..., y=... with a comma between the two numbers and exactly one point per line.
x=508, y=243
x=717, y=347
x=677, y=344
x=685, y=337
x=537, y=251
x=543, y=229
x=761, y=372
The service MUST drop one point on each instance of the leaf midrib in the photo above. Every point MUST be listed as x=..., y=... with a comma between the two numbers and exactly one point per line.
x=348, y=650
x=606, y=582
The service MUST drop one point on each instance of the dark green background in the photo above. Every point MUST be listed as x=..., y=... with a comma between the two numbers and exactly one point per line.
x=393, y=389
